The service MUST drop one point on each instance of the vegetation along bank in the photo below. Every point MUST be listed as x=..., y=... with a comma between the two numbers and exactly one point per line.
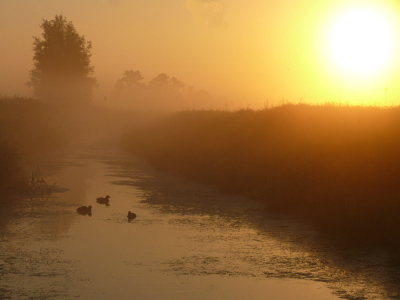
x=336, y=166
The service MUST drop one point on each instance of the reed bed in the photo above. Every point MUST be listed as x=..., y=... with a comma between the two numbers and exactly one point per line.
x=29, y=131
x=32, y=132
x=335, y=166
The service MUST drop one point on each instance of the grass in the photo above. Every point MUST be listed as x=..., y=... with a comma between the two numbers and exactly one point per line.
x=31, y=127
x=32, y=132
x=28, y=131
x=335, y=166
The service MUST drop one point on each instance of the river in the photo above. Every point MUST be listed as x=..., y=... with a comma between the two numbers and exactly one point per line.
x=189, y=241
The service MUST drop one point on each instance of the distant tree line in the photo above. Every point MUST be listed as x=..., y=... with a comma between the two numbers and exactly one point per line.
x=63, y=74
x=163, y=92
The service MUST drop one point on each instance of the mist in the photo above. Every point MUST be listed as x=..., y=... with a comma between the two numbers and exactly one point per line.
x=252, y=165
x=245, y=53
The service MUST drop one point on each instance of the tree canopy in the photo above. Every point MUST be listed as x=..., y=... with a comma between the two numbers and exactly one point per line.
x=62, y=71
x=130, y=79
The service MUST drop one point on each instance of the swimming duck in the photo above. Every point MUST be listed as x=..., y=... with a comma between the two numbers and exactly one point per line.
x=103, y=200
x=84, y=210
x=131, y=215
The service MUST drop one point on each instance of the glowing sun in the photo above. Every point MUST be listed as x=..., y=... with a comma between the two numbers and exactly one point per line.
x=361, y=41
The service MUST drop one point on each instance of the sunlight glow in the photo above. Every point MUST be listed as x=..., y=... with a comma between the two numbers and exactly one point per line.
x=361, y=41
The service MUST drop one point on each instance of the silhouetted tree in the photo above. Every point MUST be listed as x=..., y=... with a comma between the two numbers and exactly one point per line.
x=129, y=90
x=199, y=98
x=163, y=81
x=130, y=79
x=62, y=70
x=165, y=92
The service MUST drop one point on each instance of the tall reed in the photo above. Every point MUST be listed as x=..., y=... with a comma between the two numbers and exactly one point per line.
x=337, y=166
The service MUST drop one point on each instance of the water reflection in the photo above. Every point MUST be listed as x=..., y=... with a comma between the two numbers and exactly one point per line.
x=131, y=216
x=104, y=200
x=187, y=241
x=256, y=243
x=32, y=265
x=84, y=210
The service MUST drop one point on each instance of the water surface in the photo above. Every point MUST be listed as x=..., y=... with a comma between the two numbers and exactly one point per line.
x=189, y=241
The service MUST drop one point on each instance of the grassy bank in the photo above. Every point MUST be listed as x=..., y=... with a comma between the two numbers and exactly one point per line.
x=29, y=131
x=33, y=132
x=338, y=167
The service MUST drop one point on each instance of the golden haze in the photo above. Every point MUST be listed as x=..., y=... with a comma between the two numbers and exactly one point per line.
x=247, y=52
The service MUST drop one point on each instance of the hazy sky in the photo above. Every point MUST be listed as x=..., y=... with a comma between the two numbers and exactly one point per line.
x=246, y=51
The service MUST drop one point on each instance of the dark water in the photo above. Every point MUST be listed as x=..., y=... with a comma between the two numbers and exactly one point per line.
x=188, y=241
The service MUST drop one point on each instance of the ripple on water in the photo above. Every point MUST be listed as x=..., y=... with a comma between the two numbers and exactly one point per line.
x=218, y=246
x=241, y=239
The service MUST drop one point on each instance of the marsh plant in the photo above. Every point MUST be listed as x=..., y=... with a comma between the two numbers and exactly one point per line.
x=336, y=166
x=36, y=185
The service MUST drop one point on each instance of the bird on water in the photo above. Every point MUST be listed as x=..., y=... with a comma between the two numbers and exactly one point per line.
x=103, y=200
x=84, y=210
x=131, y=215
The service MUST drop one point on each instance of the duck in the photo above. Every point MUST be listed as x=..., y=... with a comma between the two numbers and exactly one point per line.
x=84, y=210
x=131, y=215
x=103, y=200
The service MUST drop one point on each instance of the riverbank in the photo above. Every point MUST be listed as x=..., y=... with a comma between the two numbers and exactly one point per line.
x=29, y=131
x=33, y=132
x=213, y=245
x=334, y=166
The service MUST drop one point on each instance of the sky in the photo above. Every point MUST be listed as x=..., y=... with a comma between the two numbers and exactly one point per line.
x=248, y=53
